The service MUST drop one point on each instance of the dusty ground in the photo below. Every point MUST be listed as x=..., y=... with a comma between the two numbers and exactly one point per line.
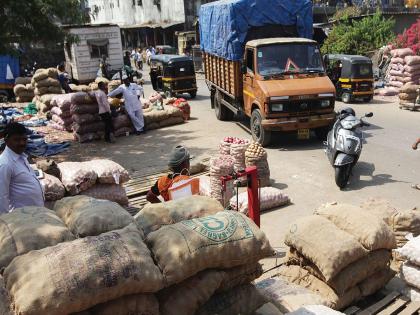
x=387, y=167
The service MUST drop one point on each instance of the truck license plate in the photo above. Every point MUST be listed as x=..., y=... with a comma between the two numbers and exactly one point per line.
x=303, y=134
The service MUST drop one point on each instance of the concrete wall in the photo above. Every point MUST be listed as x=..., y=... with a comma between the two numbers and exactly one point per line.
x=124, y=13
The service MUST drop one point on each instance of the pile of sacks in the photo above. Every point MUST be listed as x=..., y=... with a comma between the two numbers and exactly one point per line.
x=122, y=125
x=61, y=115
x=87, y=125
x=182, y=104
x=155, y=118
x=221, y=165
x=46, y=84
x=114, y=267
x=112, y=85
x=342, y=253
x=101, y=179
x=236, y=148
x=410, y=269
x=23, y=89
x=409, y=94
x=255, y=155
x=80, y=88
x=404, y=68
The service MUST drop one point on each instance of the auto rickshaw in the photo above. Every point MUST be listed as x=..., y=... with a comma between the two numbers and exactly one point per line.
x=173, y=74
x=165, y=50
x=352, y=76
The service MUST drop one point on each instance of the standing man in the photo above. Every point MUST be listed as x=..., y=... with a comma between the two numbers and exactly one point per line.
x=105, y=112
x=19, y=185
x=131, y=93
x=64, y=78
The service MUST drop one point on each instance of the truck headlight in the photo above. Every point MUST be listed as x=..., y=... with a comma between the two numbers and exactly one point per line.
x=325, y=103
x=277, y=107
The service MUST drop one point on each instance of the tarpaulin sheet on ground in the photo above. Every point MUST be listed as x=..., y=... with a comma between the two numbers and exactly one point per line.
x=224, y=24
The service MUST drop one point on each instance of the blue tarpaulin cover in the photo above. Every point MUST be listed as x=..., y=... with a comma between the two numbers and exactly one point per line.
x=224, y=24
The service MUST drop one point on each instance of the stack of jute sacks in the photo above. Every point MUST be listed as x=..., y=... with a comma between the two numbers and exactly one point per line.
x=113, y=268
x=255, y=155
x=122, y=125
x=23, y=89
x=410, y=269
x=61, y=115
x=404, y=68
x=221, y=165
x=87, y=125
x=342, y=253
x=155, y=118
x=101, y=179
x=408, y=94
x=208, y=256
x=46, y=84
x=403, y=223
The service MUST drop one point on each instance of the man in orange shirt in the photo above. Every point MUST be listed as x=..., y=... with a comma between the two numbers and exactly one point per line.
x=179, y=164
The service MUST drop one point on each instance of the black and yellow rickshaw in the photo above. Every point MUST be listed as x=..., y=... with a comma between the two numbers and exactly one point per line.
x=173, y=74
x=352, y=76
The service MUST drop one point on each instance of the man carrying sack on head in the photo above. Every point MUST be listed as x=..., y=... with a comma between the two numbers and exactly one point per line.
x=179, y=164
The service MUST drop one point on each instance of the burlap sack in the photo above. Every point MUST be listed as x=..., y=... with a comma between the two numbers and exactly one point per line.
x=27, y=229
x=410, y=88
x=287, y=296
x=76, y=177
x=49, y=166
x=47, y=82
x=380, y=208
x=123, y=131
x=349, y=276
x=85, y=118
x=65, y=121
x=62, y=101
x=171, y=121
x=376, y=282
x=315, y=310
x=302, y=277
x=53, y=188
x=89, y=128
x=370, y=231
x=74, y=276
x=40, y=74
x=23, y=80
x=19, y=88
x=224, y=240
x=155, y=116
x=79, y=98
x=4, y=299
x=121, y=121
x=109, y=172
x=188, y=296
x=87, y=216
x=111, y=192
x=407, y=96
x=153, y=216
x=324, y=244
x=88, y=137
x=41, y=91
x=412, y=60
x=241, y=275
x=244, y=300
x=135, y=304
x=406, y=221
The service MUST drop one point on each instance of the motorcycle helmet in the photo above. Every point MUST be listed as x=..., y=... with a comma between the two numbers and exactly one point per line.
x=348, y=111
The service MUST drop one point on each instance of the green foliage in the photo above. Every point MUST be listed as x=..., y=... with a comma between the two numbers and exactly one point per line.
x=347, y=12
x=359, y=37
x=26, y=22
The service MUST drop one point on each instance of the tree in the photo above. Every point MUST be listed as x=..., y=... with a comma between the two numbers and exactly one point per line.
x=36, y=21
x=410, y=38
x=359, y=37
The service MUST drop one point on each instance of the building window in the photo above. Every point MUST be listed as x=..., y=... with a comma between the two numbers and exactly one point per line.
x=140, y=2
x=134, y=3
x=97, y=51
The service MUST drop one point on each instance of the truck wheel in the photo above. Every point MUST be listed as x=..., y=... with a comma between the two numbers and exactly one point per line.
x=222, y=113
x=346, y=97
x=368, y=99
x=259, y=134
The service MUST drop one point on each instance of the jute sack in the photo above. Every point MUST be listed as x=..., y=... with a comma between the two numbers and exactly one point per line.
x=47, y=82
x=19, y=88
x=93, y=127
x=302, y=277
x=109, y=172
x=85, y=118
x=74, y=276
x=135, y=304
x=87, y=137
x=315, y=310
x=324, y=244
x=406, y=221
x=153, y=216
x=87, y=216
x=244, y=300
x=53, y=188
x=380, y=208
x=171, y=121
x=188, y=296
x=410, y=273
x=350, y=275
x=27, y=229
x=224, y=240
x=4, y=299
x=76, y=177
x=111, y=192
x=376, y=282
x=287, y=296
x=268, y=309
x=237, y=276
x=23, y=80
x=40, y=74
x=370, y=231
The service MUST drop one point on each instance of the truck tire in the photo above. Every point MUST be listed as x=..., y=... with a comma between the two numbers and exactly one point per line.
x=258, y=133
x=222, y=113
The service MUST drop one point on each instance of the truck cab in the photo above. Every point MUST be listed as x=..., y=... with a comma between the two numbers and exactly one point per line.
x=286, y=88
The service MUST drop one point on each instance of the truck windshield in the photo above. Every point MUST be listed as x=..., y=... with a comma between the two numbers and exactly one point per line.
x=289, y=58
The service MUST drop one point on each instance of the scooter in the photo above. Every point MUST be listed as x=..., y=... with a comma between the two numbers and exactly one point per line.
x=344, y=144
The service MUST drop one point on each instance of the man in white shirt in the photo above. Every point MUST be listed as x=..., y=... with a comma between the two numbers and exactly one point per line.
x=19, y=185
x=105, y=112
x=131, y=93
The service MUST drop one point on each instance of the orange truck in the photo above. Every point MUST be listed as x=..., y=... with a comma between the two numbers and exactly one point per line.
x=280, y=83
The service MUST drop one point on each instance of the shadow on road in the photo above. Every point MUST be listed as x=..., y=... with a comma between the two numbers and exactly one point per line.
x=366, y=170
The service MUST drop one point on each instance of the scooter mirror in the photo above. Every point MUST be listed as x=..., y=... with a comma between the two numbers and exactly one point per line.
x=369, y=115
